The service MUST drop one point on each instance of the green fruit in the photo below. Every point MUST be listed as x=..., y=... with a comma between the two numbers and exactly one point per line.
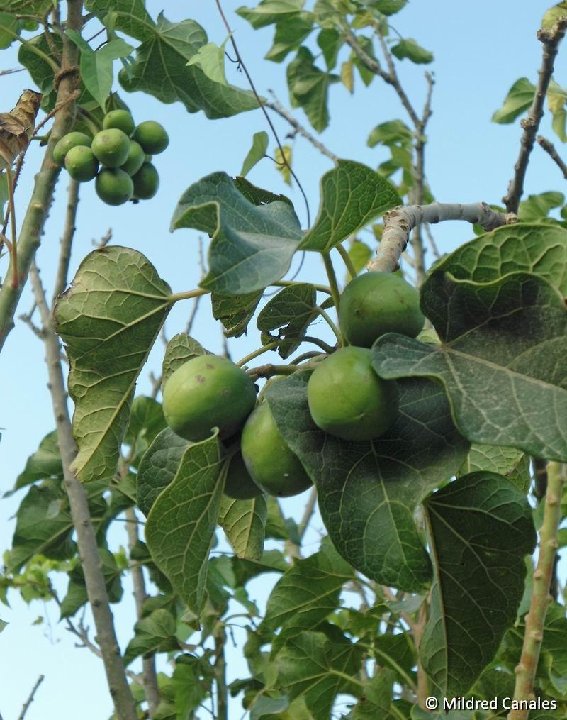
x=81, y=163
x=114, y=186
x=238, y=484
x=111, y=147
x=207, y=391
x=146, y=182
x=67, y=142
x=151, y=136
x=135, y=160
x=376, y=303
x=120, y=119
x=270, y=462
x=347, y=399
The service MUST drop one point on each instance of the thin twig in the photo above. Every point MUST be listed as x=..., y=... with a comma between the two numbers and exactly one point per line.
x=29, y=701
x=67, y=239
x=550, y=40
x=549, y=148
x=242, y=64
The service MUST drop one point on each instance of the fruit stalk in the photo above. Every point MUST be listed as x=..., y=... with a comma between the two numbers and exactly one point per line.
x=541, y=599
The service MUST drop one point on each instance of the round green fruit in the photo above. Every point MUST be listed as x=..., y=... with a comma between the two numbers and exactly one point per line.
x=376, y=303
x=67, y=142
x=136, y=158
x=114, y=186
x=120, y=119
x=348, y=400
x=152, y=137
x=81, y=163
x=111, y=147
x=238, y=484
x=270, y=462
x=146, y=182
x=207, y=391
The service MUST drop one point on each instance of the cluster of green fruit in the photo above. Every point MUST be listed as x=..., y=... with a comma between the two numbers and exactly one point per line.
x=346, y=398
x=118, y=156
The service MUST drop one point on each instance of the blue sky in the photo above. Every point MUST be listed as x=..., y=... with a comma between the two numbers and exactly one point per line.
x=480, y=49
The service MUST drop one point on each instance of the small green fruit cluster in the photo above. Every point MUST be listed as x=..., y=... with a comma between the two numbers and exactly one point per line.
x=208, y=392
x=119, y=157
x=346, y=397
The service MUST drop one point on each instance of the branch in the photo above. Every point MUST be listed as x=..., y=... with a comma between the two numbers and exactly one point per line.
x=78, y=503
x=44, y=187
x=399, y=222
x=67, y=239
x=549, y=148
x=29, y=701
x=535, y=619
x=550, y=40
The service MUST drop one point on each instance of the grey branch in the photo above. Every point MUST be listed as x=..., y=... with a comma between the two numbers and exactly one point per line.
x=399, y=222
x=29, y=701
x=549, y=148
x=550, y=40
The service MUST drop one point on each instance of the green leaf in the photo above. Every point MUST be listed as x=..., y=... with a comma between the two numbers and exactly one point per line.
x=235, y=311
x=10, y=27
x=501, y=359
x=352, y=195
x=179, y=350
x=392, y=132
x=507, y=461
x=389, y=7
x=154, y=633
x=109, y=320
x=290, y=312
x=537, y=207
x=556, y=100
x=97, y=66
x=44, y=463
x=330, y=41
x=268, y=12
x=158, y=467
x=368, y=492
x=243, y=522
x=181, y=523
x=190, y=687
x=41, y=72
x=252, y=246
x=360, y=254
x=376, y=698
x=256, y=153
x=481, y=528
x=146, y=421
x=318, y=669
x=519, y=98
x=306, y=594
x=308, y=87
x=410, y=49
x=77, y=597
x=290, y=33
x=523, y=247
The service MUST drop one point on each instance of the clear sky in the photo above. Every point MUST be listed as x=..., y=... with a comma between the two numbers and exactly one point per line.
x=480, y=49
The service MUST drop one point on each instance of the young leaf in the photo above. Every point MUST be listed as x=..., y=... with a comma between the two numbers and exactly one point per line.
x=179, y=349
x=77, y=597
x=519, y=98
x=181, y=524
x=501, y=359
x=235, y=311
x=243, y=522
x=268, y=12
x=291, y=31
x=481, y=528
x=290, y=312
x=109, y=320
x=410, y=49
x=352, y=195
x=44, y=463
x=368, y=492
x=256, y=153
x=154, y=633
x=308, y=87
x=158, y=467
x=252, y=244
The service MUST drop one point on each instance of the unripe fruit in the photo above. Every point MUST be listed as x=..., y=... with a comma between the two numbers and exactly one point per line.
x=111, y=147
x=238, y=484
x=348, y=400
x=135, y=160
x=67, y=142
x=81, y=163
x=152, y=137
x=120, y=119
x=376, y=303
x=114, y=186
x=146, y=182
x=207, y=391
x=270, y=462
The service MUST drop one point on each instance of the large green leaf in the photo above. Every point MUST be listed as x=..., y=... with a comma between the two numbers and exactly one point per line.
x=244, y=522
x=309, y=86
x=306, y=594
x=519, y=98
x=319, y=669
x=480, y=529
x=352, y=195
x=523, y=247
x=109, y=320
x=368, y=492
x=158, y=467
x=290, y=312
x=501, y=360
x=253, y=244
x=181, y=525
